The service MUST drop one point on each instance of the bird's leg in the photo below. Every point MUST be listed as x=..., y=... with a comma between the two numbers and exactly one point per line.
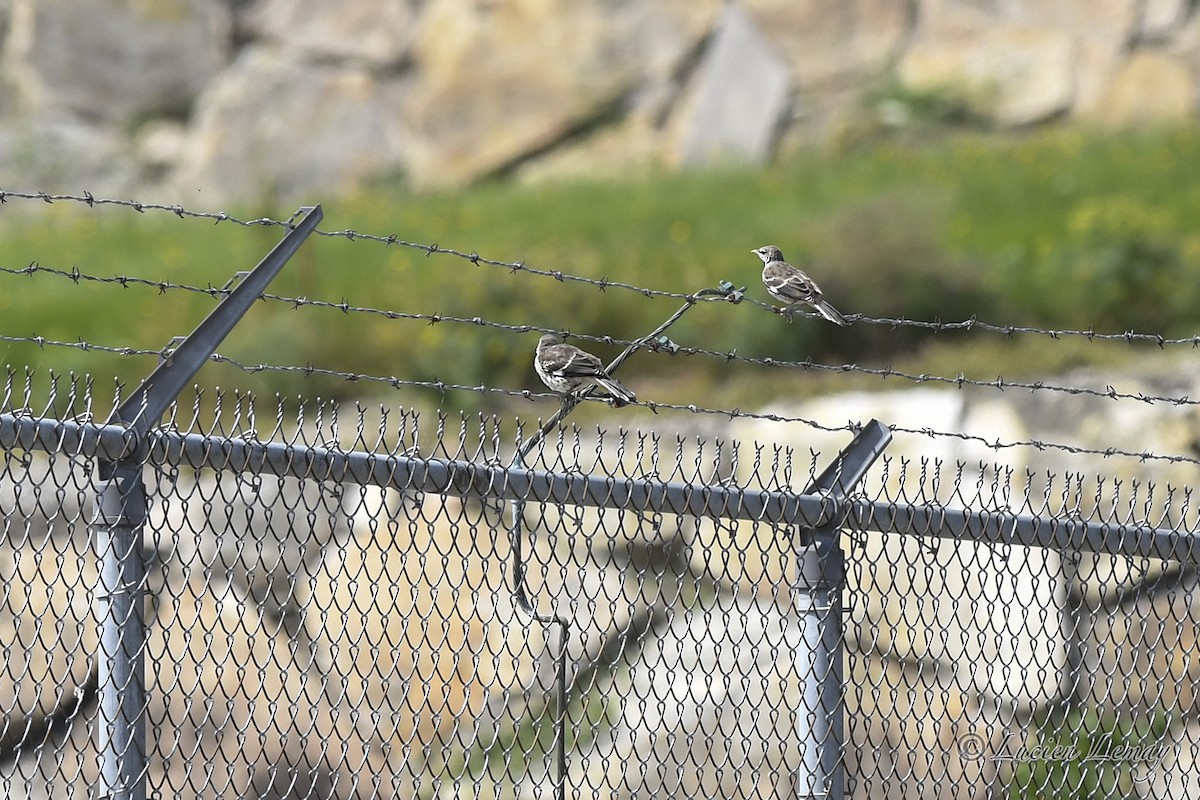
x=785, y=312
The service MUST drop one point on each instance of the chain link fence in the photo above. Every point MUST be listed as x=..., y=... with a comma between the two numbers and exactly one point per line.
x=325, y=621
x=208, y=597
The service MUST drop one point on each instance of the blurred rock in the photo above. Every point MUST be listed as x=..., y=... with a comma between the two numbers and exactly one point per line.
x=705, y=707
x=1016, y=589
x=221, y=674
x=1102, y=31
x=377, y=31
x=1063, y=54
x=914, y=721
x=1014, y=75
x=1149, y=88
x=741, y=95
x=1154, y=638
x=282, y=98
x=628, y=147
x=160, y=144
x=59, y=153
x=832, y=41
x=942, y=17
x=501, y=83
x=115, y=60
x=703, y=710
x=330, y=128
x=1159, y=18
x=1112, y=22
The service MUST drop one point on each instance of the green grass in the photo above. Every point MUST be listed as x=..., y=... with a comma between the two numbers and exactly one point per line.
x=1060, y=227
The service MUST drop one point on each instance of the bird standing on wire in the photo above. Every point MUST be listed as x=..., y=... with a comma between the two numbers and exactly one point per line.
x=791, y=286
x=568, y=370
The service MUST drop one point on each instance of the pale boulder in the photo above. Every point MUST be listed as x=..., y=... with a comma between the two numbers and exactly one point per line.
x=62, y=153
x=377, y=31
x=501, y=83
x=1013, y=75
x=740, y=98
x=1102, y=31
x=113, y=60
x=1160, y=18
x=1149, y=88
x=827, y=41
x=288, y=128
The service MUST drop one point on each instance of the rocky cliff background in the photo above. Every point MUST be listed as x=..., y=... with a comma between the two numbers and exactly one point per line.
x=243, y=100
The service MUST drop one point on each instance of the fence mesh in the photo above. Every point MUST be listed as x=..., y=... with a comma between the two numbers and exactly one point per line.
x=371, y=602
x=311, y=638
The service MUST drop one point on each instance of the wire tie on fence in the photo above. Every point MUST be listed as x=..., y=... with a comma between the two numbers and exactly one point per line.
x=170, y=472
x=725, y=291
x=125, y=587
x=234, y=278
x=664, y=344
x=255, y=483
x=164, y=355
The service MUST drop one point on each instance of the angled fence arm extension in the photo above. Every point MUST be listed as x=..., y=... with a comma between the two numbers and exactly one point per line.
x=117, y=528
x=816, y=597
x=146, y=405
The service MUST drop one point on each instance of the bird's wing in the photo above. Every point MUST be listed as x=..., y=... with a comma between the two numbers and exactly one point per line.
x=571, y=362
x=785, y=281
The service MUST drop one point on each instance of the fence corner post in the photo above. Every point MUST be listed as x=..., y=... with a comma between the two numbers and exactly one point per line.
x=118, y=521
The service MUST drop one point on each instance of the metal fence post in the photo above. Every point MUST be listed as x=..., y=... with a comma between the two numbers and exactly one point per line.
x=117, y=524
x=117, y=528
x=816, y=596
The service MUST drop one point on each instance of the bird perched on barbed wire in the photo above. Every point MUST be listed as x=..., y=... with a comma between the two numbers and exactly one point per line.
x=791, y=286
x=568, y=370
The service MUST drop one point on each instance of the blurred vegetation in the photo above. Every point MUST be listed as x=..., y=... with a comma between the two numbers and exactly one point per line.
x=1058, y=228
x=1092, y=755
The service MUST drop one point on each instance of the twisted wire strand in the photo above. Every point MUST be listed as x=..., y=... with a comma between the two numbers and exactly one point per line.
x=971, y=324
x=309, y=370
x=999, y=382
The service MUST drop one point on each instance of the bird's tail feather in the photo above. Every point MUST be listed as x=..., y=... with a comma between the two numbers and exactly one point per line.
x=617, y=390
x=830, y=313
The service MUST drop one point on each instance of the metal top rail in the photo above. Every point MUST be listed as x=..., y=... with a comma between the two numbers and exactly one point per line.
x=495, y=482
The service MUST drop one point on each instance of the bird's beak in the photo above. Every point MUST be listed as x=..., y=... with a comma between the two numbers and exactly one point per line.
x=754, y=251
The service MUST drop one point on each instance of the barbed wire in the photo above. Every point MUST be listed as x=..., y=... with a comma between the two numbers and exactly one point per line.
x=937, y=326
x=999, y=382
x=391, y=239
x=308, y=370
x=851, y=426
